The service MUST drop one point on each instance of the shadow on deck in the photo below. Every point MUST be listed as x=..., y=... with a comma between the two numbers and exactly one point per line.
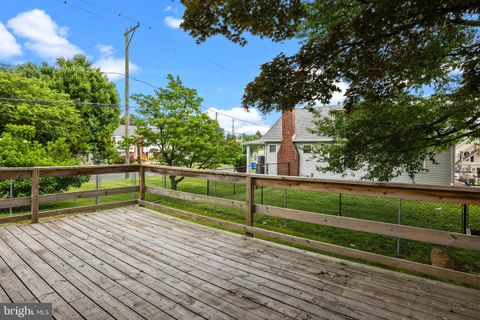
x=135, y=263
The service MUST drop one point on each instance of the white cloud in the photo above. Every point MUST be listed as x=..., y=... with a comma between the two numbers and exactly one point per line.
x=245, y=122
x=339, y=97
x=105, y=50
x=9, y=46
x=173, y=22
x=168, y=8
x=114, y=68
x=43, y=35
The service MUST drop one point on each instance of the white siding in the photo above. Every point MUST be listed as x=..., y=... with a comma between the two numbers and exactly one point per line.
x=440, y=174
x=271, y=158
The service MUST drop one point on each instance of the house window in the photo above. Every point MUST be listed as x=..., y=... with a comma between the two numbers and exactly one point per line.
x=472, y=159
x=273, y=148
x=307, y=148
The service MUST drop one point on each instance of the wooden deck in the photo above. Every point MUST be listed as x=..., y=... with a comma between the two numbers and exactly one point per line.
x=134, y=263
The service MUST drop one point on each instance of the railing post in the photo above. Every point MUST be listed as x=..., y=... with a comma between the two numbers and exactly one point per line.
x=250, y=196
x=35, y=206
x=142, y=182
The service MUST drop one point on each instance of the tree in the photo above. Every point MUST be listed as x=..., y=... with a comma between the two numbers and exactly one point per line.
x=83, y=83
x=171, y=120
x=18, y=148
x=25, y=102
x=386, y=51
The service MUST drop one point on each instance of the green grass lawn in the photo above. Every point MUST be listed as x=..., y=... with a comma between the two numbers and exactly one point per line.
x=433, y=215
x=424, y=214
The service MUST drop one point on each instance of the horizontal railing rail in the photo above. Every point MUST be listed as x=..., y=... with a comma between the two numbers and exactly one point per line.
x=459, y=195
x=35, y=199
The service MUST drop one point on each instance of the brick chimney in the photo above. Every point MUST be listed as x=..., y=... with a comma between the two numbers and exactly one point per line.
x=287, y=156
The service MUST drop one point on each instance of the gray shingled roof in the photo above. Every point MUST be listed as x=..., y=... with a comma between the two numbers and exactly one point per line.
x=303, y=124
x=120, y=131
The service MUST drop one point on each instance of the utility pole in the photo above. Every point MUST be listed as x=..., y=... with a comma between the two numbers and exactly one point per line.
x=128, y=39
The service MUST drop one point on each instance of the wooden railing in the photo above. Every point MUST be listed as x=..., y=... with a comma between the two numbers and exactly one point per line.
x=458, y=195
x=35, y=199
x=464, y=196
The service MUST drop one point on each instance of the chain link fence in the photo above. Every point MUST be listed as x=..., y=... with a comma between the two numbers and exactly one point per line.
x=423, y=214
x=17, y=188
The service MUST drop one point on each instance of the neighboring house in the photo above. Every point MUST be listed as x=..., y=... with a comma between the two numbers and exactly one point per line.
x=135, y=150
x=467, y=157
x=288, y=151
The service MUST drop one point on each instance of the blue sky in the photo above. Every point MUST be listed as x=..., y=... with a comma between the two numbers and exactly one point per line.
x=40, y=30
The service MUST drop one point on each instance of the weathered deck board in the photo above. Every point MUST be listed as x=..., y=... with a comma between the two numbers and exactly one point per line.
x=134, y=263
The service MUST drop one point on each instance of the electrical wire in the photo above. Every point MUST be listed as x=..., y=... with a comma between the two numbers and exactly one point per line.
x=238, y=119
x=53, y=102
x=94, y=71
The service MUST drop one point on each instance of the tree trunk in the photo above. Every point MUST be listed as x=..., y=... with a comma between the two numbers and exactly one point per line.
x=173, y=183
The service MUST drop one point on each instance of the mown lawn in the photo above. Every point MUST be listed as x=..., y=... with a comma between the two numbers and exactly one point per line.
x=433, y=215
x=415, y=213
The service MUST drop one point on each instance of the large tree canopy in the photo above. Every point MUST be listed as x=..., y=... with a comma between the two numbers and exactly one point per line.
x=388, y=52
x=22, y=104
x=83, y=83
x=172, y=122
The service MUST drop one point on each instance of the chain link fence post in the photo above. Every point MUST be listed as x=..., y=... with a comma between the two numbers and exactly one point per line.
x=465, y=218
x=97, y=187
x=215, y=194
x=134, y=183
x=339, y=204
x=261, y=194
x=399, y=221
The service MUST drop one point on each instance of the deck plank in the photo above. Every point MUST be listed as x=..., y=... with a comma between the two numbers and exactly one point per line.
x=126, y=263
x=112, y=267
x=115, y=239
x=106, y=281
x=114, y=307
x=58, y=282
x=38, y=286
x=308, y=263
x=327, y=275
x=174, y=286
x=181, y=269
x=280, y=275
x=14, y=288
x=136, y=263
x=335, y=303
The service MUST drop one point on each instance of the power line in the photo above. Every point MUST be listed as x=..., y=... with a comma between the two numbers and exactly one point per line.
x=121, y=15
x=93, y=71
x=53, y=102
x=238, y=119
x=116, y=14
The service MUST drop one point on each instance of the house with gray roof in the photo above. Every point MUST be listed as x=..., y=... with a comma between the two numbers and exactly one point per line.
x=288, y=151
